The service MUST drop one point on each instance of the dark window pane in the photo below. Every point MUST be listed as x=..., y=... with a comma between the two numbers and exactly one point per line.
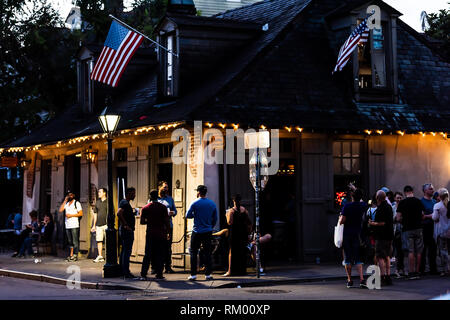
x=356, y=166
x=346, y=149
x=337, y=149
x=337, y=165
x=355, y=149
x=346, y=165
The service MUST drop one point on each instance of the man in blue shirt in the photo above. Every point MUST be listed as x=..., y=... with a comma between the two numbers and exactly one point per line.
x=167, y=200
x=204, y=213
x=429, y=245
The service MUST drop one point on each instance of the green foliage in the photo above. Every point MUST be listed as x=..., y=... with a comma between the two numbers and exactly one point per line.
x=37, y=55
x=36, y=58
x=147, y=14
x=440, y=29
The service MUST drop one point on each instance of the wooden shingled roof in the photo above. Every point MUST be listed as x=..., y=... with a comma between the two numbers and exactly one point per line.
x=283, y=77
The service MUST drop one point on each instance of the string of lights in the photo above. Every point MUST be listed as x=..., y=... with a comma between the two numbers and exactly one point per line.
x=166, y=127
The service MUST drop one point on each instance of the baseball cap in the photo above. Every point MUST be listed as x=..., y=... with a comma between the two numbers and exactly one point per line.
x=201, y=188
x=385, y=189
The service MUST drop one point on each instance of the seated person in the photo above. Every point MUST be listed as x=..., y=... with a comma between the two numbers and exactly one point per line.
x=10, y=221
x=33, y=234
x=46, y=229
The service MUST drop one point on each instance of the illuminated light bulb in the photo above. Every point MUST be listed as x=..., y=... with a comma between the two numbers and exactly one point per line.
x=380, y=131
x=288, y=129
x=263, y=127
x=299, y=129
x=433, y=133
x=235, y=126
x=401, y=132
x=222, y=125
x=369, y=132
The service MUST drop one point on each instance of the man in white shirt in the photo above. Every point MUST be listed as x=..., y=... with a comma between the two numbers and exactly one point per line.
x=73, y=211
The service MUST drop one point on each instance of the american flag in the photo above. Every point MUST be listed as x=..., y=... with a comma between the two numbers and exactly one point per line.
x=119, y=47
x=359, y=35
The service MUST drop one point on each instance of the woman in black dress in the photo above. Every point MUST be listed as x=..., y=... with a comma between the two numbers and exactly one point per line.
x=239, y=228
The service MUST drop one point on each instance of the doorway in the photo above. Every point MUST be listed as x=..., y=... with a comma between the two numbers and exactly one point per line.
x=164, y=173
x=279, y=216
x=72, y=174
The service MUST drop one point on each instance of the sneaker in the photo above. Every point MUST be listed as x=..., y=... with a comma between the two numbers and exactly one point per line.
x=69, y=258
x=98, y=259
x=15, y=255
x=208, y=277
x=74, y=258
x=226, y=274
x=143, y=278
x=363, y=284
x=159, y=277
x=21, y=256
x=192, y=278
x=413, y=276
x=349, y=284
x=397, y=275
x=169, y=270
x=130, y=276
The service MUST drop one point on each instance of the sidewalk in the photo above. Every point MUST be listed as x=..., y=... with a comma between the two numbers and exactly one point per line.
x=54, y=270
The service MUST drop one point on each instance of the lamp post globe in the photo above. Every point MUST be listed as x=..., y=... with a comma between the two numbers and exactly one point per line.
x=111, y=269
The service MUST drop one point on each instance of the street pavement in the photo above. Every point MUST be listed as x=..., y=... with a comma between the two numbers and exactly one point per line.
x=324, y=281
x=91, y=273
x=427, y=288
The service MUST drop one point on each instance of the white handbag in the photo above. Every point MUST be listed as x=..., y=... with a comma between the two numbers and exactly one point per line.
x=338, y=235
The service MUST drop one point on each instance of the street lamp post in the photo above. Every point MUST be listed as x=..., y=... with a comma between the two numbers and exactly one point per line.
x=256, y=141
x=111, y=269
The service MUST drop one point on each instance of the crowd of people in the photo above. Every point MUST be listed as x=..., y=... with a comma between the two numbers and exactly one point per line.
x=394, y=225
x=157, y=216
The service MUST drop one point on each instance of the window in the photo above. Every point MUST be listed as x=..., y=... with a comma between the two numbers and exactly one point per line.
x=165, y=150
x=347, y=165
x=85, y=97
x=121, y=155
x=169, y=66
x=372, y=60
x=346, y=157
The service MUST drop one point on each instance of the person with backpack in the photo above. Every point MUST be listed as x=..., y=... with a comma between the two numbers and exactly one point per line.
x=73, y=212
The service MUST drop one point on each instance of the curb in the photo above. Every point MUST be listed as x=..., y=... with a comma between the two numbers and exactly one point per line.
x=103, y=286
x=264, y=283
x=60, y=281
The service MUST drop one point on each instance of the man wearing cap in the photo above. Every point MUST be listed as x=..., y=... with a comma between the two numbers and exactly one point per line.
x=204, y=213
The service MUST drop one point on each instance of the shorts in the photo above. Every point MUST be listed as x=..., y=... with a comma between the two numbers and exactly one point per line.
x=415, y=241
x=383, y=248
x=100, y=232
x=351, y=244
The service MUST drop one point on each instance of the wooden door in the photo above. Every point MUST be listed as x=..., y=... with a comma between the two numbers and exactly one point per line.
x=317, y=196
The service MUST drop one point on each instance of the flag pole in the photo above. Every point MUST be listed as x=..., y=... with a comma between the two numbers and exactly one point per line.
x=151, y=40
